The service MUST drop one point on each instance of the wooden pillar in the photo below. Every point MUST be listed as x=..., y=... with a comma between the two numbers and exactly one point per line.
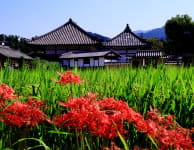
x=55, y=58
x=143, y=62
x=1, y=63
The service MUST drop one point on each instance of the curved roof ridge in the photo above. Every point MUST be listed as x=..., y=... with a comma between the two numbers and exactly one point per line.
x=38, y=37
x=127, y=29
x=75, y=24
x=123, y=42
x=83, y=36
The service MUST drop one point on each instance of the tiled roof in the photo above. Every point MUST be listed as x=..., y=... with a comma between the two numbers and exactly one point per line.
x=8, y=52
x=67, y=34
x=126, y=38
x=69, y=55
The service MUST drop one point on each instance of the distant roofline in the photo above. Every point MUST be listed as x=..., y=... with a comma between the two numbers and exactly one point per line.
x=95, y=40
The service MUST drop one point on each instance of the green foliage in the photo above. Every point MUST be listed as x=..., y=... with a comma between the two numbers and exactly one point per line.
x=169, y=88
x=23, y=46
x=38, y=63
x=12, y=41
x=156, y=43
x=180, y=35
x=42, y=144
x=123, y=141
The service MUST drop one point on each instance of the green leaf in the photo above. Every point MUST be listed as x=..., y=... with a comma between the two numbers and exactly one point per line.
x=59, y=132
x=190, y=108
x=35, y=139
x=123, y=141
x=173, y=105
x=153, y=141
x=37, y=146
x=87, y=144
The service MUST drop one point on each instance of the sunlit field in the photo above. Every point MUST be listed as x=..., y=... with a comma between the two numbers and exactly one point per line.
x=169, y=89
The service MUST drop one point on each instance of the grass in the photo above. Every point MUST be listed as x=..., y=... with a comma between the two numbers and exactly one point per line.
x=169, y=88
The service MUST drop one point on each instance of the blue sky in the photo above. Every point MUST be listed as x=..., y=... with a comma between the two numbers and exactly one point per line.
x=28, y=18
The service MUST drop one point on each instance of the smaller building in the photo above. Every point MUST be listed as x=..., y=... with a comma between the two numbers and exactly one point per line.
x=173, y=60
x=146, y=57
x=14, y=55
x=89, y=59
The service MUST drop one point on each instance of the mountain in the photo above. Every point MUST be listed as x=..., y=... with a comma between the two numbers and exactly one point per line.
x=158, y=33
x=99, y=36
x=140, y=31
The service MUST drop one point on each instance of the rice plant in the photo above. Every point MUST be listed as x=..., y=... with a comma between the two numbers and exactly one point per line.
x=170, y=89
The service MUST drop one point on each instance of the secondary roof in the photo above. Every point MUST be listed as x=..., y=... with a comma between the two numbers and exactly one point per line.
x=126, y=39
x=8, y=52
x=70, y=55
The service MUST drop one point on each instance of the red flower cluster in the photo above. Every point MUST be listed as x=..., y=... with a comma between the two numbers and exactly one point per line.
x=35, y=103
x=24, y=114
x=139, y=148
x=6, y=93
x=105, y=117
x=113, y=146
x=100, y=117
x=69, y=77
x=167, y=132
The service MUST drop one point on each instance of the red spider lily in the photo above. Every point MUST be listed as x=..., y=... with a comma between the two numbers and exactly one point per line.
x=167, y=133
x=104, y=117
x=92, y=96
x=100, y=117
x=80, y=115
x=69, y=77
x=35, y=103
x=23, y=114
x=6, y=93
x=139, y=148
x=113, y=146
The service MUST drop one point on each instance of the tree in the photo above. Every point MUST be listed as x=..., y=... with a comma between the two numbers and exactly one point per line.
x=2, y=37
x=17, y=43
x=23, y=45
x=13, y=41
x=180, y=35
x=141, y=35
x=156, y=43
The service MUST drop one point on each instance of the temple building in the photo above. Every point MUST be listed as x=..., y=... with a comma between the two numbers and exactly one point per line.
x=89, y=59
x=72, y=46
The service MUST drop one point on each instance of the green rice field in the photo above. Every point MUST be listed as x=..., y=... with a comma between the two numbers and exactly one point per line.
x=170, y=89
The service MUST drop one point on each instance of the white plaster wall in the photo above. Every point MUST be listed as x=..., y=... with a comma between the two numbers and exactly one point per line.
x=80, y=62
x=65, y=62
x=71, y=62
x=101, y=61
x=86, y=65
x=75, y=63
x=91, y=62
x=96, y=62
